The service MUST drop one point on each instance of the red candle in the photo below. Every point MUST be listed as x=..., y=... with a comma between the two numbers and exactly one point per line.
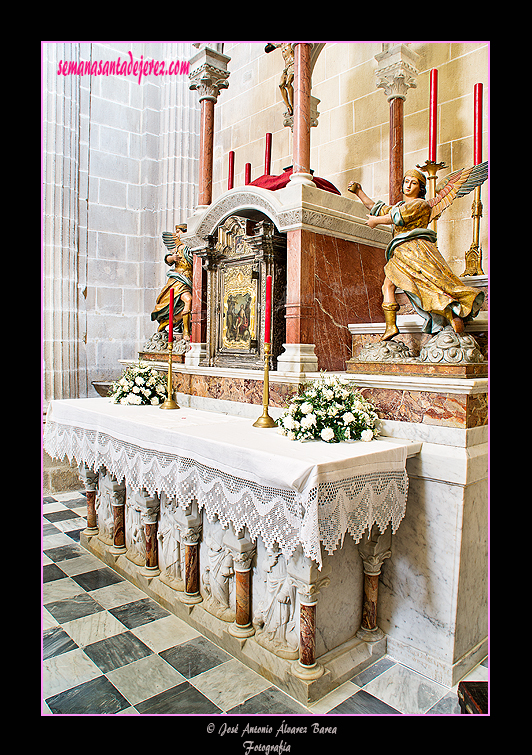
x=268, y=155
x=247, y=179
x=171, y=317
x=268, y=315
x=231, y=179
x=433, y=119
x=478, y=124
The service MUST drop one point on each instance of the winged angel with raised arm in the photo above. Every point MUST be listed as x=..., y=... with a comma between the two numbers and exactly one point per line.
x=413, y=262
x=179, y=277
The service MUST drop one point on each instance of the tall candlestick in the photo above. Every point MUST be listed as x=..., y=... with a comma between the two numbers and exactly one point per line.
x=478, y=124
x=170, y=403
x=433, y=120
x=265, y=420
x=473, y=257
x=171, y=317
x=268, y=314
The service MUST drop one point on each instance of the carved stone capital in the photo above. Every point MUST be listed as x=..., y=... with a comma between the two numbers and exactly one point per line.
x=117, y=492
x=148, y=505
x=189, y=523
x=209, y=73
x=374, y=548
x=88, y=477
x=241, y=548
x=306, y=577
x=397, y=71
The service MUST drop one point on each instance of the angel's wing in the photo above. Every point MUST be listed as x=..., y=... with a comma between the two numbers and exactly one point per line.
x=456, y=185
x=170, y=240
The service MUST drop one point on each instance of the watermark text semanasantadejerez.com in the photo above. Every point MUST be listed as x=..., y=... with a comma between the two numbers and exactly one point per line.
x=119, y=67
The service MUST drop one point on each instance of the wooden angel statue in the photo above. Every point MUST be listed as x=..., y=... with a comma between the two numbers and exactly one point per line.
x=413, y=261
x=179, y=277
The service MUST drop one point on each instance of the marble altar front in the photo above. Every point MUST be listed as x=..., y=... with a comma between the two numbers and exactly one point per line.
x=269, y=547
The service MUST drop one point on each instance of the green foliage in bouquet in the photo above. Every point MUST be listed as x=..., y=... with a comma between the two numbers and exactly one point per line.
x=329, y=409
x=139, y=384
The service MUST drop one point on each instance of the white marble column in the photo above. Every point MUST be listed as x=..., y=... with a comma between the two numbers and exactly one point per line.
x=61, y=192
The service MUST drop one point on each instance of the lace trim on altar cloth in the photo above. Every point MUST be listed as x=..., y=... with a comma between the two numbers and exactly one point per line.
x=283, y=517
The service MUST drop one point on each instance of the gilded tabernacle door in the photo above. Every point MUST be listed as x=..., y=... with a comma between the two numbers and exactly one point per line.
x=245, y=252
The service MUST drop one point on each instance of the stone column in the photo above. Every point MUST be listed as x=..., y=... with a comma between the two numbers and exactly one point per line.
x=90, y=483
x=307, y=578
x=190, y=525
x=118, y=502
x=208, y=75
x=298, y=355
x=64, y=374
x=373, y=549
x=396, y=74
x=302, y=116
x=150, y=515
x=243, y=551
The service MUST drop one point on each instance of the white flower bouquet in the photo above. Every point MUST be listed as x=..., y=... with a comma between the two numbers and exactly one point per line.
x=139, y=384
x=330, y=409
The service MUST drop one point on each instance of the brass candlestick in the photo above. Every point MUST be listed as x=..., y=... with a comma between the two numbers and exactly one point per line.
x=265, y=420
x=473, y=257
x=431, y=168
x=170, y=403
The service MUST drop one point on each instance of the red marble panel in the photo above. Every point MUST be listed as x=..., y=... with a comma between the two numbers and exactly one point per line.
x=347, y=289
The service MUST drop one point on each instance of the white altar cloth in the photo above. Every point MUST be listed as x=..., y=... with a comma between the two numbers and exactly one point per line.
x=287, y=492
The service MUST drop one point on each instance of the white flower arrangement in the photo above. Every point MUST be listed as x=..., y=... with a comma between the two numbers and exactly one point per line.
x=329, y=409
x=139, y=384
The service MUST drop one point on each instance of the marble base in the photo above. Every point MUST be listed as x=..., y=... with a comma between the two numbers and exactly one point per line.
x=335, y=665
x=161, y=356
x=418, y=368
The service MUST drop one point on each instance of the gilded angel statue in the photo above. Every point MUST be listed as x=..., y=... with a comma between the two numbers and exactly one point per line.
x=179, y=278
x=413, y=261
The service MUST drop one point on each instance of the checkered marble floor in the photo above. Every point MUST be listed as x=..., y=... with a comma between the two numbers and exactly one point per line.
x=110, y=649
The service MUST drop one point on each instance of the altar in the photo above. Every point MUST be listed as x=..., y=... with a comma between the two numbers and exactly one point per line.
x=270, y=547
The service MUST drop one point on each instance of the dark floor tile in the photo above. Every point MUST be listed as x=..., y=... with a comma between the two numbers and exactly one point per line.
x=363, y=704
x=195, y=656
x=75, y=503
x=49, y=499
x=73, y=608
x=447, y=706
x=51, y=572
x=75, y=534
x=182, y=699
x=116, y=651
x=56, y=641
x=61, y=516
x=64, y=552
x=372, y=672
x=94, y=697
x=140, y=612
x=49, y=529
x=93, y=580
x=269, y=702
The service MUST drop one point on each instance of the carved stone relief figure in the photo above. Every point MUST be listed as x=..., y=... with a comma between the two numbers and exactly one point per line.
x=104, y=508
x=275, y=619
x=135, y=541
x=216, y=578
x=168, y=535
